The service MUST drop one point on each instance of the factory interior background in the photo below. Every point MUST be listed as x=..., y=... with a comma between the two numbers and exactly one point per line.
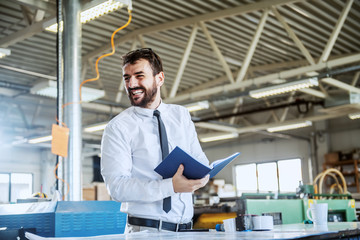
x=217, y=56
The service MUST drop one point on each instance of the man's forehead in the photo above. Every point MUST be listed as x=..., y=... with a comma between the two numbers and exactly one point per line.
x=138, y=63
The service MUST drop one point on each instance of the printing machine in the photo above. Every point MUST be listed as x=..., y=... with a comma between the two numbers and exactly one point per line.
x=285, y=208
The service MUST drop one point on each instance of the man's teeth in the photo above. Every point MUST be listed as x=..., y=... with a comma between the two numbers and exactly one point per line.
x=137, y=92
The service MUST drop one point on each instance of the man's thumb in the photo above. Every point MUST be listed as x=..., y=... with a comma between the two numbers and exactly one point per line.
x=180, y=170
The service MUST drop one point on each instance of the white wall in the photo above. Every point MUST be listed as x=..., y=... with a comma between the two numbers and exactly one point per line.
x=345, y=140
x=40, y=162
x=22, y=160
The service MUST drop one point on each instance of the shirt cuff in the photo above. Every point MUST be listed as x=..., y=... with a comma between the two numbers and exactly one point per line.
x=168, y=188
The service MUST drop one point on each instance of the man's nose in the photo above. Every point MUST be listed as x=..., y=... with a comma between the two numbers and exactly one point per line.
x=133, y=82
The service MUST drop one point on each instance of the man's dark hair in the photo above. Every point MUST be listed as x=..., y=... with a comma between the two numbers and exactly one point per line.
x=147, y=54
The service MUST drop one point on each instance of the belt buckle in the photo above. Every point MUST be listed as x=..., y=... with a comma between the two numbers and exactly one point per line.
x=177, y=227
x=160, y=225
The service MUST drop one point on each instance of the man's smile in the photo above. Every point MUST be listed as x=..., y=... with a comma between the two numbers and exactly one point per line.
x=137, y=92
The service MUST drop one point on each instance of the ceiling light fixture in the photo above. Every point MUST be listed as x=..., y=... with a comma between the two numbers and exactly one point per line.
x=4, y=52
x=290, y=126
x=40, y=139
x=93, y=13
x=284, y=88
x=49, y=89
x=217, y=137
x=95, y=128
x=353, y=116
x=192, y=107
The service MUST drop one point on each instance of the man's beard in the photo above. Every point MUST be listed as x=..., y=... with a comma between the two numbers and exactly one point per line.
x=149, y=96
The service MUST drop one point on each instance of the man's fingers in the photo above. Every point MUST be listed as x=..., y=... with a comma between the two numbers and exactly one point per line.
x=200, y=182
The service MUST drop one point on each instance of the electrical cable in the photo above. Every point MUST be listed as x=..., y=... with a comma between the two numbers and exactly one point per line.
x=105, y=55
x=90, y=80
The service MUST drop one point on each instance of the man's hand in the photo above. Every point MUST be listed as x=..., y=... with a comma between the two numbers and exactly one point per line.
x=182, y=184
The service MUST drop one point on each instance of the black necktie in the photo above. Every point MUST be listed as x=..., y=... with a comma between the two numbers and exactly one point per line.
x=165, y=151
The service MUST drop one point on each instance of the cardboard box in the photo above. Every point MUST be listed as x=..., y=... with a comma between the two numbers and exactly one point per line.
x=96, y=191
x=89, y=193
x=102, y=193
x=332, y=157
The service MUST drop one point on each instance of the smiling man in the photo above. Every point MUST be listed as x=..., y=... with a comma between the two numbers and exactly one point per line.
x=138, y=139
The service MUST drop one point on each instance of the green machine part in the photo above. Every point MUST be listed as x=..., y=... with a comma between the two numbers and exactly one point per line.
x=344, y=209
x=294, y=210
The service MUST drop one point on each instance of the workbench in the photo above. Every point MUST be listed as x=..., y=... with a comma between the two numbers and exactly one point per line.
x=338, y=230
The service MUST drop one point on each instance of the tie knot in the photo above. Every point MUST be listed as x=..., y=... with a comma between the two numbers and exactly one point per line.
x=157, y=113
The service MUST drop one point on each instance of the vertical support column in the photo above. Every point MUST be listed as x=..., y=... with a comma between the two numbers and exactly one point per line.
x=72, y=71
x=60, y=92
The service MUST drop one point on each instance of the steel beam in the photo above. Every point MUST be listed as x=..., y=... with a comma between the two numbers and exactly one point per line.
x=192, y=20
x=265, y=79
x=334, y=35
x=355, y=79
x=217, y=52
x=293, y=36
x=184, y=61
x=313, y=92
x=339, y=84
x=252, y=47
x=24, y=33
x=38, y=4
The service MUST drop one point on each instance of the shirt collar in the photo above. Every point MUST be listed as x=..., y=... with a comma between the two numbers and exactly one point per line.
x=150, y=112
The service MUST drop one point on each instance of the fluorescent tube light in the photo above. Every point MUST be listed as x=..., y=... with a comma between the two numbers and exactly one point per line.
x=49, y=89
x=53, y=27
x=4, y=52
x=197, y=106
x=290, y=126
x=40, y=139
x=95, y=128
x=353, y=116
x=217, y=137
x=92, y=13
x=283, y=88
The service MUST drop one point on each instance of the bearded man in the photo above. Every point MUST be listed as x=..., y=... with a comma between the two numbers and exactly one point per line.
x=138, y=139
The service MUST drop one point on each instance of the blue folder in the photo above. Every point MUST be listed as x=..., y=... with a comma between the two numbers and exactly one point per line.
x=193, y=169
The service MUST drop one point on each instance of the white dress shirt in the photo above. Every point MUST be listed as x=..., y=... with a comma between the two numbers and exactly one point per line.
x=130, y=151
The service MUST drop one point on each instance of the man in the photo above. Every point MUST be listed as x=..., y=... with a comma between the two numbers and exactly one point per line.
x=132, y=148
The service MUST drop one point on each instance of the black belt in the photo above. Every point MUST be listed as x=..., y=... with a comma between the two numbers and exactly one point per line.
x=175, y=227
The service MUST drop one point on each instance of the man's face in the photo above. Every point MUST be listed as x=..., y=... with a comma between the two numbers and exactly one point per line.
x=140, y=84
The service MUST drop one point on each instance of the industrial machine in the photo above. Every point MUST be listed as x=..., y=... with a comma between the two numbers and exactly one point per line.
x=286, y=208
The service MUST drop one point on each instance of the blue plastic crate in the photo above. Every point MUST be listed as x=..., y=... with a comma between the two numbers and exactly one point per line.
x=88, y=218
x=43, y=222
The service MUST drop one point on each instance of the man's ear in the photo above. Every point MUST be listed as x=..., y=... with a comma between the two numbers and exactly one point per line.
x=160, y=78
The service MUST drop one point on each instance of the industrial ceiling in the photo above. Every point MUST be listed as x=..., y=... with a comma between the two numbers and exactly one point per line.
x=214, y=50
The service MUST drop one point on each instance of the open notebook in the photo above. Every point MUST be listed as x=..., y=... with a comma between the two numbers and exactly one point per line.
x=193, y=169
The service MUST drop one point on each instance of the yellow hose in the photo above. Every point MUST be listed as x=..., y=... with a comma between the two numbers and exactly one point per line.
x=329, y=172
x=332, y=187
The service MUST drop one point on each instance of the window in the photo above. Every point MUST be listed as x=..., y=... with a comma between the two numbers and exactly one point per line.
x=267, y=177
x=15, y=186
x=289, y=174
x=277, y=176
x=246, y=177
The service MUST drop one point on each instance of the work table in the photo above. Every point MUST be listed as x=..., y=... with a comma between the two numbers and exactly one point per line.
x=285, y=231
